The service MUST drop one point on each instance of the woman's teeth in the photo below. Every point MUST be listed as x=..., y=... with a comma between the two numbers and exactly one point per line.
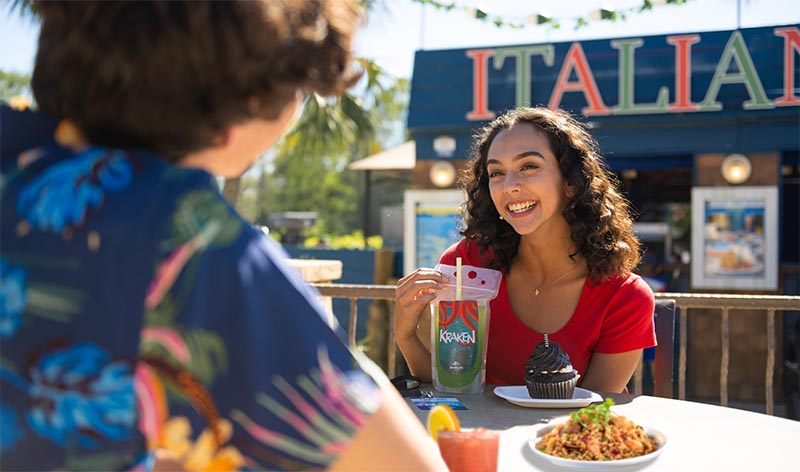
x=520, y=207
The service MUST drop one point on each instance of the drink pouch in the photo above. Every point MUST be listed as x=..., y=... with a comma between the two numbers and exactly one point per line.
x=477, y=283
x=460, y=328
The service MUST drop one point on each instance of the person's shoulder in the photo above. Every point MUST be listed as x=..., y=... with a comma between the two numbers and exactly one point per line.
x=634, y=283
x=630, y=286
x=230, y=239
x=616, y=282
x=634, y=291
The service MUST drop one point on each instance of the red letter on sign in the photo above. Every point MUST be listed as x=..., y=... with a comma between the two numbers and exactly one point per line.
x=480, y=85
x=576, y=59
x=683, y=72
x=791, y=42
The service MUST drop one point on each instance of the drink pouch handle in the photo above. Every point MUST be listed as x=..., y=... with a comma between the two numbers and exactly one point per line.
x=477, y=283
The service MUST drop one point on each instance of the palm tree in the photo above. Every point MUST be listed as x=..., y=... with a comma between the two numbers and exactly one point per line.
x=308, y=165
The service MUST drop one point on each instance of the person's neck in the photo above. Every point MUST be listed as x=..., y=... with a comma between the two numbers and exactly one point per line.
x=545, y=258
x=539, y=256
x=206, y=159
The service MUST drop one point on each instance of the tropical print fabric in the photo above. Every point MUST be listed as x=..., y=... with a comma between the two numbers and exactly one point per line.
x=139, y=311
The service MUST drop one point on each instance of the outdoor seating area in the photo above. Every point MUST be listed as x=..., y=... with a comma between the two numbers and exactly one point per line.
x=406, y=235
x=671, y=360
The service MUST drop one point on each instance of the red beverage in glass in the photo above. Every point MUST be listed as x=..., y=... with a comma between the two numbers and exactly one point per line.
x=469, y=451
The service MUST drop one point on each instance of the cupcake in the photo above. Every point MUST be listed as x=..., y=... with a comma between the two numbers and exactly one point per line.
x=548, y=372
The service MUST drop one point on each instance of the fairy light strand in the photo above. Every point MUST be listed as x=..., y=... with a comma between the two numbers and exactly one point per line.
x=542, y=18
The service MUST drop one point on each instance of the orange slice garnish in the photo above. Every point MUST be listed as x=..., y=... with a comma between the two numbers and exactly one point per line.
x=442, y=417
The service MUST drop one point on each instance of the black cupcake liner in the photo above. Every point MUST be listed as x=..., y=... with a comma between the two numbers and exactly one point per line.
x=552, y=390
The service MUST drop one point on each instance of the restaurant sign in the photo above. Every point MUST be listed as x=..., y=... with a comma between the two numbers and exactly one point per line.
x=742, y=70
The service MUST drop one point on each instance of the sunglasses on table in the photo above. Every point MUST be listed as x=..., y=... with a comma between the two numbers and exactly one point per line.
x=409, y=386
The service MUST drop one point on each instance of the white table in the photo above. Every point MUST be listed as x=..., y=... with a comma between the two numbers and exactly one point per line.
x=699, y=436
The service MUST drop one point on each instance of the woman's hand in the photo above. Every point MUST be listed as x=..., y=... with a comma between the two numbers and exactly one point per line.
x=413, y=295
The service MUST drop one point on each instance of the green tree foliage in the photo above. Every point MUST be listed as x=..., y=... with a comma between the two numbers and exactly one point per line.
x=309, y=169
x=13, y=84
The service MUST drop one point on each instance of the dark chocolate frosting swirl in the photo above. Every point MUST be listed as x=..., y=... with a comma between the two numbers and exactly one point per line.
x=547, y=359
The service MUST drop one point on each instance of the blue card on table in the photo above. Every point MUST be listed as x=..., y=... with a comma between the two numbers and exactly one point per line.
x=425, y=403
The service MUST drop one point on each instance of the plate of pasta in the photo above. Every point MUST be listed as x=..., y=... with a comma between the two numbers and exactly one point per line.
x=596, y=438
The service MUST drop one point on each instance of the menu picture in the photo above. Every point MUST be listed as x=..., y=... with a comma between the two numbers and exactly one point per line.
x=431, y=220
x=437, y=229
x=734, y=242
x=735, y=238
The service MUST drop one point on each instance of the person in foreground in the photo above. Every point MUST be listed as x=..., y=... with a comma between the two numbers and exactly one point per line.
x=140, y=312
x=542, y=209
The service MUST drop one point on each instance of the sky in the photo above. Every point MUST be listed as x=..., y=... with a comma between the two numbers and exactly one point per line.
x=394, y=31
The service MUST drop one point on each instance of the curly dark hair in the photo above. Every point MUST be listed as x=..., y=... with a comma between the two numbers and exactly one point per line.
x=598, y=214
x=171, y=76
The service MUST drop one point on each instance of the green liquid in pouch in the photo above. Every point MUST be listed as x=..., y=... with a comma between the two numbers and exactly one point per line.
x=460, y=330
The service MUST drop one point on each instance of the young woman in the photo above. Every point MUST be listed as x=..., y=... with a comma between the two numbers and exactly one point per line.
x=139, y=312
x=542, y=209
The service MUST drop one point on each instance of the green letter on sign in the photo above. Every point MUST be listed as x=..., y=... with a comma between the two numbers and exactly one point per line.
x=747, y=75
x=523, y=55
x=626, y=105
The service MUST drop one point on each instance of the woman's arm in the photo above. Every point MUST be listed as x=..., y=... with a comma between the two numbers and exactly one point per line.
x=610, y=372
x=413, y=295
x=392, y=439
x=627, y=328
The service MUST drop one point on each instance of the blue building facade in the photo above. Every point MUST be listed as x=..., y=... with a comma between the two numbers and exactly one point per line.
x=664, y=109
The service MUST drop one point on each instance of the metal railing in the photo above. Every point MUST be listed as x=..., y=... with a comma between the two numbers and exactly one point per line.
x=685, y=302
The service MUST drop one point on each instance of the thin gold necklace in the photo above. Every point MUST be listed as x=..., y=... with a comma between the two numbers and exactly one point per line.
x=539, y=289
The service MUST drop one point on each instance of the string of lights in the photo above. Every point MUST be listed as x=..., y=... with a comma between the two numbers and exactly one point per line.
x=543, y=18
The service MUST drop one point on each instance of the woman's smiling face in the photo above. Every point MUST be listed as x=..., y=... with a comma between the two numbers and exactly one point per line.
x=525, y=181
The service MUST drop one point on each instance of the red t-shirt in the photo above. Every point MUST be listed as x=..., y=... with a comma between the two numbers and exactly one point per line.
x=612, y=317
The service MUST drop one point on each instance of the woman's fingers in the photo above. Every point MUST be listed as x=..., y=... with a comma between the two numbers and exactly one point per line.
x=414, y=292
x=425, y=273
x=420, y=279
x=414, y=288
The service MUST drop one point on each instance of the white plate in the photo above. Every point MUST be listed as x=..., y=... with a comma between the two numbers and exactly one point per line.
x=660, y=439
x=518, y=395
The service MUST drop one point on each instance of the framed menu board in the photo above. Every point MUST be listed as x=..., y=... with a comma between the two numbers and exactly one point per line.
x=431, y=222
x=735, y=238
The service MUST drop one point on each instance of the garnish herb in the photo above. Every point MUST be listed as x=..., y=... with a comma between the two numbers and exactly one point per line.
x=593, y=414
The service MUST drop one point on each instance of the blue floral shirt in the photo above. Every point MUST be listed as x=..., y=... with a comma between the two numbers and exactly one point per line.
x=139, y=311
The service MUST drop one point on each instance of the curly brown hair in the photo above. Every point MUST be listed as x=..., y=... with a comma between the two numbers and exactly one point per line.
x=172, y=76
x=598, y=215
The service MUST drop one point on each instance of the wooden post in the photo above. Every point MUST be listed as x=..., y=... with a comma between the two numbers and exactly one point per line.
x=683, y=315
x=770, y=362
x=379, y=322
x=726, y=348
